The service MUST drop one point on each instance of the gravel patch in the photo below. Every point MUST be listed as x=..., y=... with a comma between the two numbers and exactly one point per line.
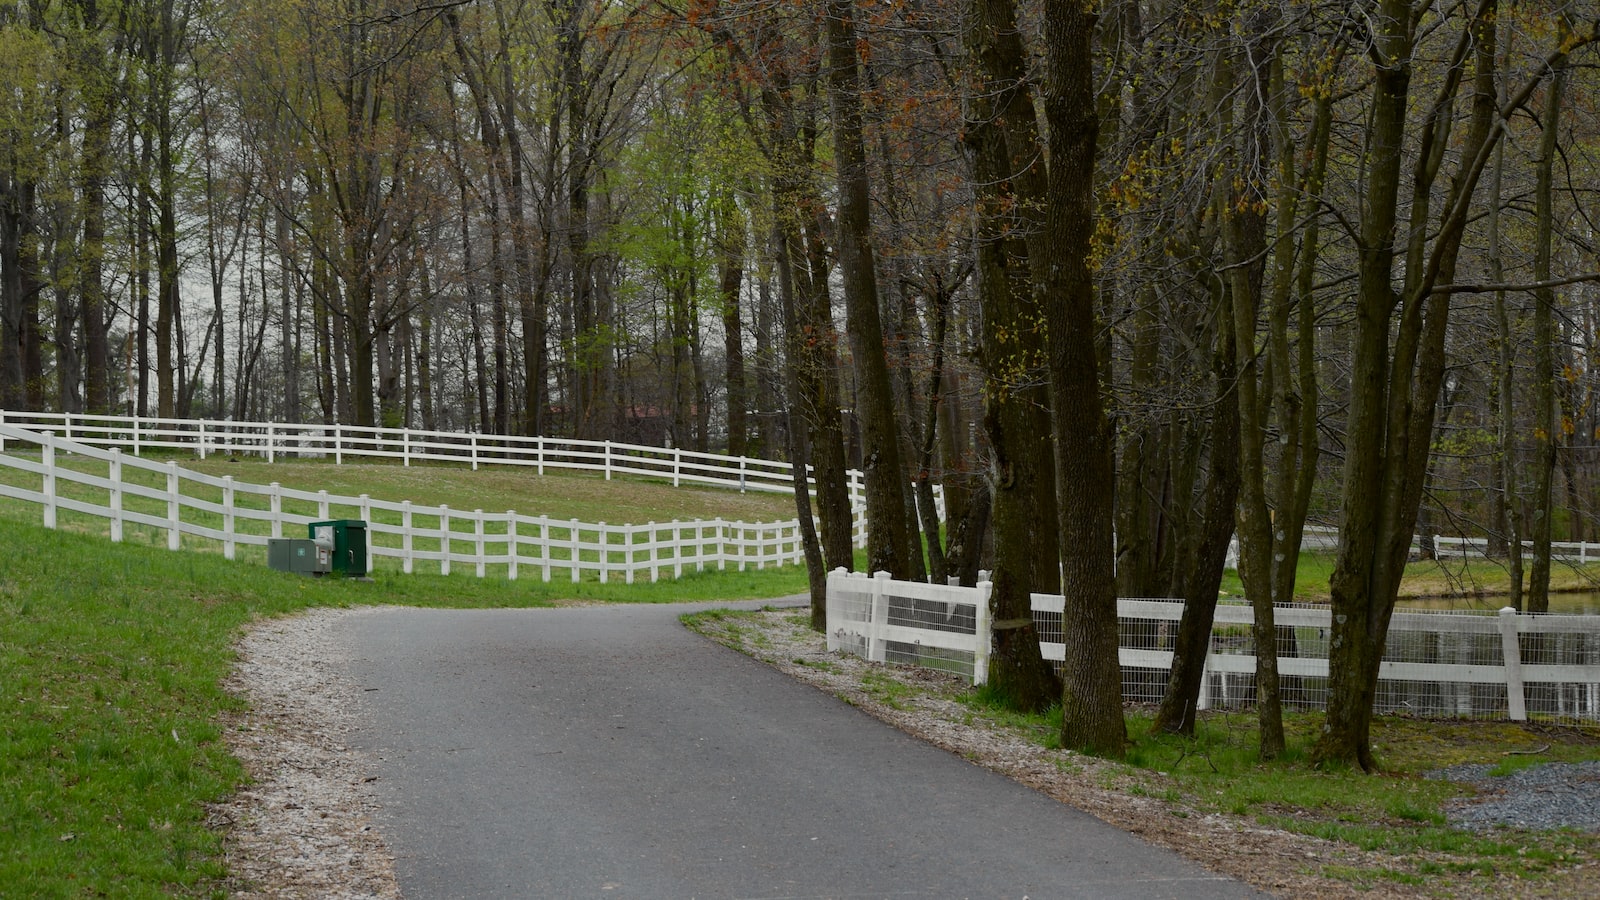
x=1544, y=796
x=302, y=827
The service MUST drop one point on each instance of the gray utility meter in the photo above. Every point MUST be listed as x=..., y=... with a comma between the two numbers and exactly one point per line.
x=298, y=555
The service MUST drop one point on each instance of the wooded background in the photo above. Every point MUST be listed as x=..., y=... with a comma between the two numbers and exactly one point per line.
x=1207, y=265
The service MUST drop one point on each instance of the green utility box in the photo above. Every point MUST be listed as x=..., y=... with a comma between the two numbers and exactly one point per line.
x=346, y=540
x=298, y=555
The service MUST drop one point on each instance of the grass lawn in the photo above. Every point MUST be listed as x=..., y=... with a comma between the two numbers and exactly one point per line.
x=111, y=657
x=1475, y=583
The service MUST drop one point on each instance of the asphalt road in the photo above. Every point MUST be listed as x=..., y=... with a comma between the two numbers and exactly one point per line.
x=608, y=752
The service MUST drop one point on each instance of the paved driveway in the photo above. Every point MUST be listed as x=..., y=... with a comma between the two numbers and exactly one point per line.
x=609, y=752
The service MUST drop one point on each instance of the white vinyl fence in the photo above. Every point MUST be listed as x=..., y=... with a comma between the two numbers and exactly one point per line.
x=176, y=502
x=908, y=622
x=1320, y=537
x=1436, y=663
x=208, y=437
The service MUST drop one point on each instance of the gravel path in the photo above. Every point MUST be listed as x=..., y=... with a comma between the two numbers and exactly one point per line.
x=1542, y=796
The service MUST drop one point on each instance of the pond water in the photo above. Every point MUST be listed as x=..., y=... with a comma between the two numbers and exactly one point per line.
x=1568, y=603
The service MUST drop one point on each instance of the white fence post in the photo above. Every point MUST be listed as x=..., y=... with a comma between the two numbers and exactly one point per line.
x=405, y=447
x=272, y=440
x=831, y=611
x=116, y=495
x=655, y=557
x=227, y=517
x=575, y=551
x=980, y=626
x=407, y=553
x=538, y=449
x=200, y=442
x=511, y=545
x=628, y=533
x=322, y=504
x=47, y=454
x=372, y=537
x=474, y=453
x=677, y=467
x=876, y=645
x=545, y=542
x=136, y=446
x=338, y=444
x=608, y=465
x=603, y=537
x=477, y=536
x=173, y=539
x=444, y=540
x=276, y=497
x=1516, y=701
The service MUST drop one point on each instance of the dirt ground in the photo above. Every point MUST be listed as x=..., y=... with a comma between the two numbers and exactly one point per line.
x=303, y=828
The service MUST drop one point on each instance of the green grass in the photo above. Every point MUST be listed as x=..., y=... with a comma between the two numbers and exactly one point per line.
x=111, y=663
x=1398, y=812
x=1448, y=584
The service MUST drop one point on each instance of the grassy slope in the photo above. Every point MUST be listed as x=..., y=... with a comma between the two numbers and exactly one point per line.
x=1459, y=583
x=111, y=657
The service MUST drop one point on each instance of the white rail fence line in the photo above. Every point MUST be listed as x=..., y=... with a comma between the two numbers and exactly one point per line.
x=207, y=437
x=1319, y=537
x=909, y=622
x=1439, y=663
x=445, y=535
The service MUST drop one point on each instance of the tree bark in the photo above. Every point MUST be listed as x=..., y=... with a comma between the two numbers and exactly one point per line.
x=1091, y=700
x=1546, y=427
x=1179, y=703
x=1395, y=386
x=891, y=546
x=1011, y=182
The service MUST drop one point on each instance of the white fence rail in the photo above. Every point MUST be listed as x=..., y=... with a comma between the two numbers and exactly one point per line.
x=209, y=437
x=206, y=437
x=181, y=503
x=1321, y=537
x=1436, y=663
x=943, y=627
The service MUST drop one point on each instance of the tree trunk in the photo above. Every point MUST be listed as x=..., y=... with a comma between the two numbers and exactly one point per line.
x=13, y=211
x=1395, y=387
x=1091, y=700
x=94, y=167
x=1011, y=184
x=166, y=236
x=1546, y=427
x=730, y=244
x=1179, y=703
x=891, y=546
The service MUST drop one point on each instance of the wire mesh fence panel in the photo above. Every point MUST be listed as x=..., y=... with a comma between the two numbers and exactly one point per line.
x=1435, y=663
x=956, y=662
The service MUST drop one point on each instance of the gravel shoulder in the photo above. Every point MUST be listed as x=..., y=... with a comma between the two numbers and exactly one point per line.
x=304, y=826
